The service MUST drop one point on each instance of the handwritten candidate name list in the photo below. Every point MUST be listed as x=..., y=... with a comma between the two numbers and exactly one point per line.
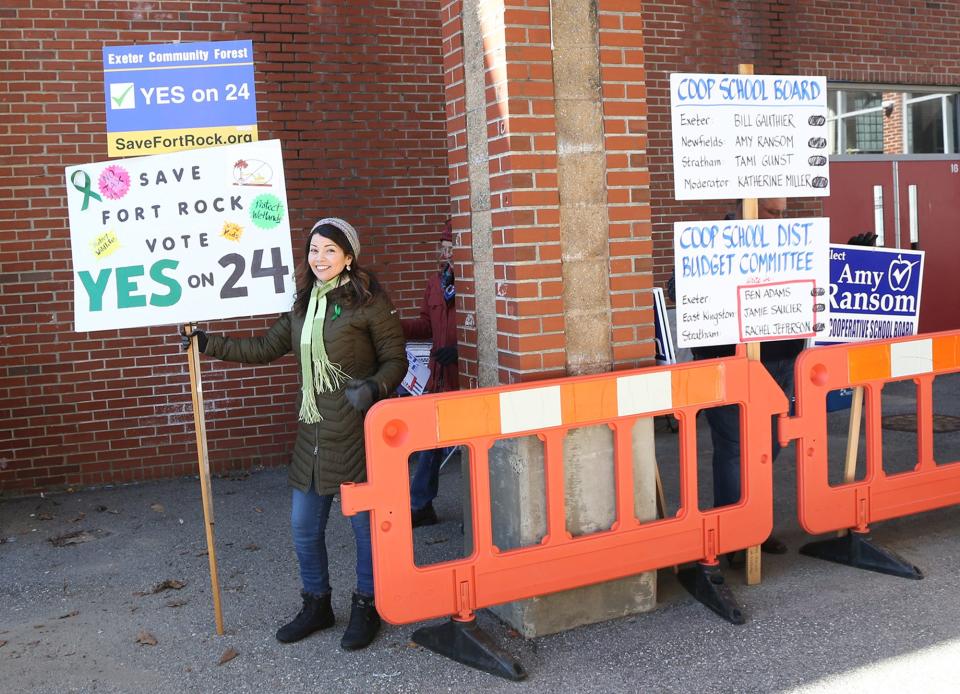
x=749, y=136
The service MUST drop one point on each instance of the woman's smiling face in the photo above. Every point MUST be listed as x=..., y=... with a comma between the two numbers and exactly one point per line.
x=326, y=258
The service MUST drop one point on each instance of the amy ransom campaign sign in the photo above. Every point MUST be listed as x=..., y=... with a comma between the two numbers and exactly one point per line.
x=874, y=293
x=176, y=238
x=750, y=280
x=749, y=136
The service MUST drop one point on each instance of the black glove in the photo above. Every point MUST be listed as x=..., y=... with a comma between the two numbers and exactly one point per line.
x=361, y=394
x=445, y=355
x=185, y=339
x=865, y=239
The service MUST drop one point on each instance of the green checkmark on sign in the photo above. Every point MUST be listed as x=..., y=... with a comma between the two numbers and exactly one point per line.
x=122, y=95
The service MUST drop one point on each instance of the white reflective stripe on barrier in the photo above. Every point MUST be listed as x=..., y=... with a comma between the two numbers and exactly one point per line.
x=911, y=358
x=644, y=393
x=526, y=410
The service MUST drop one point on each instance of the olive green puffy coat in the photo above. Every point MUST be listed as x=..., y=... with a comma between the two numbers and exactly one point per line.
x=367, y=343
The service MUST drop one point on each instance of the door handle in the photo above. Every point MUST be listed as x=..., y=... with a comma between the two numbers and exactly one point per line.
x=914, y=226
x=878, y=214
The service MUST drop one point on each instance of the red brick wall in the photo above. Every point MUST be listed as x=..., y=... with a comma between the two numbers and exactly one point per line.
x=354, y=90
x=870, y=41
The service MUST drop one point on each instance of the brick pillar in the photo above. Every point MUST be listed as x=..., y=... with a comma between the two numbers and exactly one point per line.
x=547, y=130
x=624, y=84
x=893, y=123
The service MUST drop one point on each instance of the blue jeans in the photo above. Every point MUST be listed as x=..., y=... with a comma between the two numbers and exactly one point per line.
x=426, y=477
x=308, y=519
x=725, y=433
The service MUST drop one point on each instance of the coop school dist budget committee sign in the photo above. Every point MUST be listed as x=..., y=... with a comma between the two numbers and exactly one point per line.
x=750, y=280
x=177, y=238
x=749, y=136
x=178, y=96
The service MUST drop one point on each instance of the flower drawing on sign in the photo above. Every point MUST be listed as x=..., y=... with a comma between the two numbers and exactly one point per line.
x=252, y=172
x=231, y=231
x=900, y=273
x=114, y=182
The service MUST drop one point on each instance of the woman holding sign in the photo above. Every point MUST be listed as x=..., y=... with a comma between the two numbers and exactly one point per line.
x=348, y=341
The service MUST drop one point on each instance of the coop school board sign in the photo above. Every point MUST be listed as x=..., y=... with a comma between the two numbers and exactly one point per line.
x=750, y=280
x=176, y=238
x=874, y=293
x=749, y=136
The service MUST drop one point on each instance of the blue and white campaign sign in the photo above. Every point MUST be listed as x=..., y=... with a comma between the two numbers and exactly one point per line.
x=874, y=293
x=750, y=280
x=178, y=238
x=168, y=98
x=749, y=136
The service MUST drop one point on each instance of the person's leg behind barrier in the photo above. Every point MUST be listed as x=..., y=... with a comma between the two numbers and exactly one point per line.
x=725, y=434
x=361, y=535
x=424, y=487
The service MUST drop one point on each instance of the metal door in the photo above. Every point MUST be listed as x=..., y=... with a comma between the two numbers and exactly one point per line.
x=929, y=192
x=909, y=203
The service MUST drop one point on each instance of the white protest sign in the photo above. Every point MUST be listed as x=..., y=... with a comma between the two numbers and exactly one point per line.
x=749, y=136
x=177, y=238
x=750, y=280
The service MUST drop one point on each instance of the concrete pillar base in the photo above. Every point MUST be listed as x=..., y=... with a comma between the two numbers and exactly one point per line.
x=519, y=520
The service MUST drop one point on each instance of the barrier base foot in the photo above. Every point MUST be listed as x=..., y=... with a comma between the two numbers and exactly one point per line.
x=705, y=582
x=856, y=549
x=466, y=643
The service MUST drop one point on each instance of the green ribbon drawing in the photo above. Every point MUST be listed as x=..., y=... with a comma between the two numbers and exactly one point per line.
x=84, y=188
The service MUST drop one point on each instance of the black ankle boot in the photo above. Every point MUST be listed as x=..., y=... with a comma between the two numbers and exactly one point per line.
x=424, y=516
x=364, y=623
x=314, y=616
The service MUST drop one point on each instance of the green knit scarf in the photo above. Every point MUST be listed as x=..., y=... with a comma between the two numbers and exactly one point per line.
x=318, y=373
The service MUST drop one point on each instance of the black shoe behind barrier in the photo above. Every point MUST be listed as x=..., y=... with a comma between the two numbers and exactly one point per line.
x=424, y=516
x=855, y=549
x=466, y=643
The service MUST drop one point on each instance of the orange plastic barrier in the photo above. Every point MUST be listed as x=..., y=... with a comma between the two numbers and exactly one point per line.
x=396, y=428
x=877, y=497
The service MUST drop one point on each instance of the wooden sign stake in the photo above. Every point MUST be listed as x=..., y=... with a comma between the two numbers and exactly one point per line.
x=853, y=439
x=750, y=211
x=196, y=392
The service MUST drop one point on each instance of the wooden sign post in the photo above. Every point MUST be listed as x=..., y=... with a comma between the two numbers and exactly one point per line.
x=751, y=211
x=196, y=392
x=853, y=439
